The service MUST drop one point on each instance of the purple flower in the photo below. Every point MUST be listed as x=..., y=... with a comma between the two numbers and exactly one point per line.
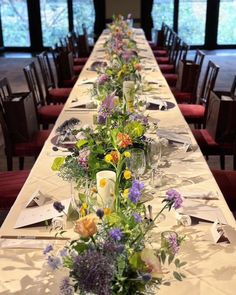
x=108, y=103
x=58, y=206
x=102, y=79
x=101, y=119
x=100, y=213
x=94, y=271
x=146, y=277
x=137, y=217
x=137, y=184
x=135, y=192
x=82, y=159
x=174, y=198
x=173, y=243
x=116, y=234
x=47, y=249
x=54, y=262
x=127, y=55
x=64, y=252
x=65, y=287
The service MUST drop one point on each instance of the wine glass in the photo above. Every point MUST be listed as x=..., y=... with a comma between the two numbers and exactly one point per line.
x=141, y=103
x=154, y=157
x=137, y=162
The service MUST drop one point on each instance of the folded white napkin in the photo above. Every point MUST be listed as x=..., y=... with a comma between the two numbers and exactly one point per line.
x=171, y=136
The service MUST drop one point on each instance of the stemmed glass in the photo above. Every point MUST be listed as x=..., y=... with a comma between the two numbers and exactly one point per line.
x=154, y=157
x=141, y=103
x=137, y=162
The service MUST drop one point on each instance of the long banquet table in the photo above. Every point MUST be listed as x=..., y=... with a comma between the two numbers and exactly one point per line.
x=210, y=268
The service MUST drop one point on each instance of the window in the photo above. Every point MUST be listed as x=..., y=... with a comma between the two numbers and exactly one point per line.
x=192, y=21
x=15, y=25
x=227, y=22
x=84, y=13
x=162, y=11
x=54, y=18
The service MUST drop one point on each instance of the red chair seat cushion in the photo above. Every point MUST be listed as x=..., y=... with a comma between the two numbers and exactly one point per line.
x=11, y=183
x=192, y=112
x=80, y=61
x=160, y=52
x=77, y=69
x=32, y=147
x=204, y=139
x=182, y=97
x=167, y=68
x=58, y=95
x=171, y=79
x=49, y=114
x=227, y=183
x=162, y=60
x=69, y=83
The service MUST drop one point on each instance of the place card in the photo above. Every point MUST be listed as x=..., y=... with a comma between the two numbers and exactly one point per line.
x=37, y=199
x=33, y=215
x=218, y=233
x=202, y=212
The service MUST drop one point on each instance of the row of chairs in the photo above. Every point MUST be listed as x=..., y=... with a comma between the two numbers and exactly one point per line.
x=48, y=100
x=195, y=110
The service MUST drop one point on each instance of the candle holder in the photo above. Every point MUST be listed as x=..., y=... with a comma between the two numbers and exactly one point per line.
x=106, y=188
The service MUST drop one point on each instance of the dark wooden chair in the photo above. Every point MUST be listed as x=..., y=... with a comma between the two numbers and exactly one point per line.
x=73, y=47
x=209, y=146
x=163, y=49
x=185, y=96
x=196, y=113
x=226, y=181
x=47, y=114
x=54, y=94
x=14, y=148
x=63, y=61
x=170, y=66
x=11, y=183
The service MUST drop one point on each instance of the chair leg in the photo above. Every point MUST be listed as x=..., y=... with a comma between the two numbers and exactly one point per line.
x=21, y=163
x=222, y=162
x=9, y=163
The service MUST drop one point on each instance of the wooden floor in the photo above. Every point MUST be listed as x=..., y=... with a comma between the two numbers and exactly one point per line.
x=11, y=66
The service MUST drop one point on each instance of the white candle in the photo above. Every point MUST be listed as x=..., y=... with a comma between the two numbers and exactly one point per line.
x=106, y=188
x=128, y=93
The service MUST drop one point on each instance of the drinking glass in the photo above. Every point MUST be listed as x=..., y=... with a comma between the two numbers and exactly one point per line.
x=154, y=157
x=137, y=162
x=141, y=103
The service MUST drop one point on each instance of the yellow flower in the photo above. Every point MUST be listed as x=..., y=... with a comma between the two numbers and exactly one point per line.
x=127, y=154
x=85, y=205
x=126, y=193
x=127, y=174
x=86, y=226
x=107, y=211
x=103, y=182
x=108, y=158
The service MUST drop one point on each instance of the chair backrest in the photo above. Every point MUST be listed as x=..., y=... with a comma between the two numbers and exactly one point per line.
x=175, y=50
x=5, y=90
x=72, y=45
x=208, y=82
x=233, y=88
x=63, y=61
x=34, y=84
x=6, y=135
x=183, y=52
x=46, y=70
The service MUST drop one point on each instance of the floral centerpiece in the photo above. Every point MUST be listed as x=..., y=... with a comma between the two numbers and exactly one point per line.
x=113, y=253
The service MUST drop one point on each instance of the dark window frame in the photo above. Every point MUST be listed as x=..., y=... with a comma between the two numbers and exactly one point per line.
x=35, y=29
